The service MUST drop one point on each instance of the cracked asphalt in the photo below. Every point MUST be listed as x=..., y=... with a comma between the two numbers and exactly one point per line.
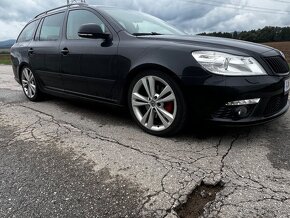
x=67, y=158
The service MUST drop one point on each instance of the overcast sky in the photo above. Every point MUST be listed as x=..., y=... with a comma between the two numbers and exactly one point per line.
x=192, y=16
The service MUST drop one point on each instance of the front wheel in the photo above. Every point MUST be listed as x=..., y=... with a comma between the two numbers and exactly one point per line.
x=157, y=103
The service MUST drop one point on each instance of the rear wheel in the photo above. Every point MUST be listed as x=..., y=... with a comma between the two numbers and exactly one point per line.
x=29, y=85
x=157, y=103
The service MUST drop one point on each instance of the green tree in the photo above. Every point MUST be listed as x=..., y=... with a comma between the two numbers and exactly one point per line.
x=235, y=35
x=267, y=34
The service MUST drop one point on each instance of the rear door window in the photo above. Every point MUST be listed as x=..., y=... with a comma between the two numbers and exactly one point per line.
x=28, y=32
x=51, y=27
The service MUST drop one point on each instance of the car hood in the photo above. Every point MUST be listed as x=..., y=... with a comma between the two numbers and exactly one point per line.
x=214, y=42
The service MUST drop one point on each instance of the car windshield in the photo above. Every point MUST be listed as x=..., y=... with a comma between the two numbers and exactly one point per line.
x=138, y=23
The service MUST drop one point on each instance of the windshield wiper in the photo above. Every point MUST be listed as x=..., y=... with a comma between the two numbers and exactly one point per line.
x=147, y=34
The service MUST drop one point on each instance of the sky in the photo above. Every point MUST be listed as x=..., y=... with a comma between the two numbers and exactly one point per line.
x=191, y=16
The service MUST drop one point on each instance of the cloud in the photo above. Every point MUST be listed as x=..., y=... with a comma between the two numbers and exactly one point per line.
x=192, y=16
x=10, y=30
x=24, y=10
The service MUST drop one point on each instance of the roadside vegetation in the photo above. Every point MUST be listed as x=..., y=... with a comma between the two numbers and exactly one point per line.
x=5, y=59
x=4, y=56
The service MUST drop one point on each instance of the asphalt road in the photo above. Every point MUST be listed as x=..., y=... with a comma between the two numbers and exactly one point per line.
x=65, y=158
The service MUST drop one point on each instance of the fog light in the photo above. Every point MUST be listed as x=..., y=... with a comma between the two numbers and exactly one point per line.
x=242, y=111
x=244, y=102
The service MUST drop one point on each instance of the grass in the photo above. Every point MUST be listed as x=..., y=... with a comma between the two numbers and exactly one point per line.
x=4, y=50
x=5, y=59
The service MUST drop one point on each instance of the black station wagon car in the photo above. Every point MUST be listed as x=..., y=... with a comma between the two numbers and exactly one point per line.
x=163, y=75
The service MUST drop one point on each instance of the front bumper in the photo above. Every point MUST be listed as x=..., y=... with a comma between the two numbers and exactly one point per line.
x=208, y=99
x=259, y=114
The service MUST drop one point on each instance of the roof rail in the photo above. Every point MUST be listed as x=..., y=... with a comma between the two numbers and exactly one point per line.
x=58, y=8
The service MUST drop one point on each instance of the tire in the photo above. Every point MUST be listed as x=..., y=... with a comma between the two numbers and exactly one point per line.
x=30, y=85
x=162, y=114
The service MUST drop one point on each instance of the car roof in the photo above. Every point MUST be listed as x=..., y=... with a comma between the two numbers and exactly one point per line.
x=61, y=8
x=75, y=5
x=64, y=8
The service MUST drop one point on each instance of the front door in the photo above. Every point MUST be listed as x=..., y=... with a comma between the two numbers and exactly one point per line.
x=87, y=65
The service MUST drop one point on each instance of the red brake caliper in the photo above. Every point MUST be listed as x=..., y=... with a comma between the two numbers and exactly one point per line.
x=169, y=106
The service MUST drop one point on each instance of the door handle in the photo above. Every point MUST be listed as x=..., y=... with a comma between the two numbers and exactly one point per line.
x=30, y=51
x=65, y=51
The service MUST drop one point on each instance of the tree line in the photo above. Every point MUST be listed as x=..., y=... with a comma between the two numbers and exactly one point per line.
x=267, y=34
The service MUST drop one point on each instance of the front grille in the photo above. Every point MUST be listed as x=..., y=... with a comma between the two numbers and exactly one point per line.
x=225, y=112
x=275, y=104
x=277, y=64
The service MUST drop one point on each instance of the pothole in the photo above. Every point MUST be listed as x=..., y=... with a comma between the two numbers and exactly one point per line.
x=194, y=207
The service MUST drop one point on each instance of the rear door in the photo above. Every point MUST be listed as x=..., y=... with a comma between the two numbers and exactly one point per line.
x=87, y=65
x=20, y=50
x=44, y=51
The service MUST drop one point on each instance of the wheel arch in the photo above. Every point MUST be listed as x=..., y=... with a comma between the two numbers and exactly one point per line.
x=21, y=66
x=141, y=68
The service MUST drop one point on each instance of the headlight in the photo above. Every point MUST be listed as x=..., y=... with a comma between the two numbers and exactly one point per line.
x=227, y=64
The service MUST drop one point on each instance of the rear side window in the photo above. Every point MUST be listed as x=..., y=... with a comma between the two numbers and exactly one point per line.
x=28, y=32
x=51, y=27
x=77, y=18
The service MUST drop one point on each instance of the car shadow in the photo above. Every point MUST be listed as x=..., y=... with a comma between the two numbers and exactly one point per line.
x=118, y=114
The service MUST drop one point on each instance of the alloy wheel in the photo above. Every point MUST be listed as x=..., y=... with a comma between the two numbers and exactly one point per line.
x=28, y=83
x=154, y=103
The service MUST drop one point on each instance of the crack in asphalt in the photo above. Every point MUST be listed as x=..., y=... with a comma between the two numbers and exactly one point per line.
x=227, y=152
x=103, y=138
x=214, y=209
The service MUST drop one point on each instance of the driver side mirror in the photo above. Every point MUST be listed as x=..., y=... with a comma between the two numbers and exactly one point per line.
x=93, y=31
